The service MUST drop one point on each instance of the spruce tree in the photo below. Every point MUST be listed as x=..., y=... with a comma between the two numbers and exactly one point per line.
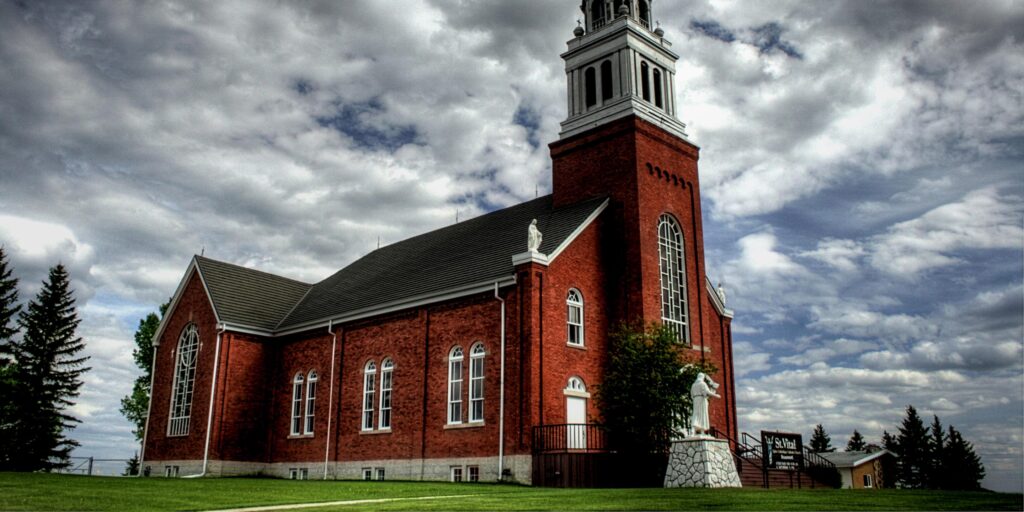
x=820, y=441
x=8, y=308
x=135, y=406
x=50, y=370
x=10, y=419
x=856, y=442
x=937, y=470
x=912, y=452
x=965, y=470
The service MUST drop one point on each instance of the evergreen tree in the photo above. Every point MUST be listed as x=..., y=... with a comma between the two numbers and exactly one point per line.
x=820, y=441
x=132, y=466
x=889, y=442
x=856, y=442
x=9, y=386
x=49, y=369
x=135, y=406
x=912, y=454
x=937, y=470
x=8, y=308
x=964, y=467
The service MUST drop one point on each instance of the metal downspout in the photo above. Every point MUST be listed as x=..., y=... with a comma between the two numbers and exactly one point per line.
x=501, y=400
x=330, y=396
x=149, y=408
x=213, y=393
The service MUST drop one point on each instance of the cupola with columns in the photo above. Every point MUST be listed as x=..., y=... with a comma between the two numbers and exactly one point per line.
x=618, y=65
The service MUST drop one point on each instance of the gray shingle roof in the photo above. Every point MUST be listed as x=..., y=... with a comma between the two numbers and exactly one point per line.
x=848, y=459
x=470, y=252
x=243, y=296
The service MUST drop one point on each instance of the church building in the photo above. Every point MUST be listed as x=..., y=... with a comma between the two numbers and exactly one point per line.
x=454, y=354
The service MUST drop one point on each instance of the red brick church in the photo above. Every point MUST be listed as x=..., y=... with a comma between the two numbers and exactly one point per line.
x=445, y=356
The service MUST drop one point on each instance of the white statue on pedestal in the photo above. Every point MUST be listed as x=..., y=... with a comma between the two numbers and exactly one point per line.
x=534, y=237
x=702, y=389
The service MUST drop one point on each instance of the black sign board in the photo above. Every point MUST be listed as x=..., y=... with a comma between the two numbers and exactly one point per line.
x=782, y=450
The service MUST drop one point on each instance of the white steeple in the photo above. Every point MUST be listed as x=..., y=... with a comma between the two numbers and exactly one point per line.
x=617, y=65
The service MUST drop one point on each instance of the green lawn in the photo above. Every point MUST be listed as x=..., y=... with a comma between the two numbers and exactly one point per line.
x=68, y=492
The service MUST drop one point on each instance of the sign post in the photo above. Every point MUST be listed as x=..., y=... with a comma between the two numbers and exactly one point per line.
x=783, y=451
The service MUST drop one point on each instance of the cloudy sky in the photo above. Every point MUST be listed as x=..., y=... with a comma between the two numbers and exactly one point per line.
x=862, y=168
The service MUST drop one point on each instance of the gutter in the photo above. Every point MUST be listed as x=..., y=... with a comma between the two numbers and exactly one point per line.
x=501, y=401
x=213, y=390
x=330, y=397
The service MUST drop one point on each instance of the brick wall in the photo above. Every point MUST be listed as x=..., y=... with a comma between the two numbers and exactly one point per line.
x=192, y=306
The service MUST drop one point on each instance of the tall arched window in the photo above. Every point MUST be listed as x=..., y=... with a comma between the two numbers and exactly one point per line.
x=672, y=263
x=310, y=401
x=644, y=13
x=645, y=81
x=606, y=80
x=597, y=14
x=184, y=380
x=297, y=404
x=386, y=370
x=476, y=382
x=369, y=377
x=657, y=87
x=574, y=303
x=590, y=84
x=455, y=358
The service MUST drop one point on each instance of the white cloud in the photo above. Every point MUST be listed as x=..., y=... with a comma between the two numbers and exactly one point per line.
x=983, y=219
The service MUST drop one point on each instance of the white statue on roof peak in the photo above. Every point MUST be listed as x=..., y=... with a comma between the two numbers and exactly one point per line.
x=534, y=237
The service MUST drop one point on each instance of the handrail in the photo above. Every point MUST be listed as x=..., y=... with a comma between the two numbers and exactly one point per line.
x=814, y=459
x=569, y=437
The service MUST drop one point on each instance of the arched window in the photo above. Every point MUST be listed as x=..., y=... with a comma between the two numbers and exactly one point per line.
x=386, y=369
x=455, y=358
x=575, y=385
x=476, y=382
x=310, y=400
x=297, y=404
x=606, y=80
x=645, y=81
x=574, y=302
x=590, y=84
x=644, y=13
x=369, y=377
x=672, y=263
x=657, y=87
x=184, y=380
x=597, y=14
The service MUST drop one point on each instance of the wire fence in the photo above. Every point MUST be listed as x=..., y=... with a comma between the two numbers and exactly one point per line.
x=96, y=467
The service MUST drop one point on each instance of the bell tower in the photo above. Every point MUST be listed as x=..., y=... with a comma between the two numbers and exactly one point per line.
x=619, y=65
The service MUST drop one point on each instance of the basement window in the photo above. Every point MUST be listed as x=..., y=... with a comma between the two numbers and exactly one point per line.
x=367, y=473
x=474, y=473
x=456, y=473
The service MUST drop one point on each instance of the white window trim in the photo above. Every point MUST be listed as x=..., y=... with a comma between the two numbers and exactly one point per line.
x=183, y=387
x=576, y=387
x=308, y=422
x=387, y=368
x=453, y=471
x=369, y=388
x=476, y=382
x=455, y=358
x=672, y=277
x=297, y=405
x=574, y=299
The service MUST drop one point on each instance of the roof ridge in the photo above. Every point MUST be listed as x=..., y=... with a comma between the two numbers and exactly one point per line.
x=250, y=269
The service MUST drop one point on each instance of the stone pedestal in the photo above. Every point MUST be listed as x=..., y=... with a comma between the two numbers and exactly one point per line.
x=701, y=462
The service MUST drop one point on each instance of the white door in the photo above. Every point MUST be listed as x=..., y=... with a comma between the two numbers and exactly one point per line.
x=576, y=417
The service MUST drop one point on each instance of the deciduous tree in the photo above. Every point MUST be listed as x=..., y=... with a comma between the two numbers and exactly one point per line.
x=135, y=406
x=646, y=388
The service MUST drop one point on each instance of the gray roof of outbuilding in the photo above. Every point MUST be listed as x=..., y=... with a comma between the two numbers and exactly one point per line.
x=470, y=252
x=248, y=297
x=848, y=459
